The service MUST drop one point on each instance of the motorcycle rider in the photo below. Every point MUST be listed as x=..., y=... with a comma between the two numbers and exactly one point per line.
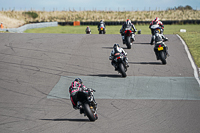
x=128, y=25
x=101, y=23
x=87, y=30
x=117, y=49
x=76, y=86
x=159, y=39
x=157, y=21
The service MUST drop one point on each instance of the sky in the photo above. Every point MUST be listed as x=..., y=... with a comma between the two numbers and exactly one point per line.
x=106, y=5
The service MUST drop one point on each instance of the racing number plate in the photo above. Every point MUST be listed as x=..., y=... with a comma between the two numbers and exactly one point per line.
x=101, y=28
x=160, y=48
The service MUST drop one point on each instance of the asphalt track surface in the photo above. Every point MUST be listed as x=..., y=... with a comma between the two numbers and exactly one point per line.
x=36, y=71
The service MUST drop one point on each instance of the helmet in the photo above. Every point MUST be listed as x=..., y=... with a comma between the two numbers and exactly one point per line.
x=115, y=45
x=78, y=80
x=101, y=21
x=157, y=30
x=156, y=19
x=128, y=21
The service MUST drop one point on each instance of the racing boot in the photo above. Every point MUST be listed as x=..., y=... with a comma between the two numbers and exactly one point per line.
x=79, y=106
x=133, y=38
x=152, y=39
x=126, y=60
x=164, y=38
x=115, y=67
x=166, y=49
x=81, y=111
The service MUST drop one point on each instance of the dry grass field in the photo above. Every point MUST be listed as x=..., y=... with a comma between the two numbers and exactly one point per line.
x=12, y=19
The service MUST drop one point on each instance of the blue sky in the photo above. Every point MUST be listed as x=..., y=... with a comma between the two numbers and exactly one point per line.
x=121, y=5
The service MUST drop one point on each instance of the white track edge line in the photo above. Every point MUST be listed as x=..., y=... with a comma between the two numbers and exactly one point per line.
x=191, y=60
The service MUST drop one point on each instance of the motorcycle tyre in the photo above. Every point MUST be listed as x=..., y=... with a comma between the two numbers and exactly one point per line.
x=122, y=70
x=88, y=112
x=162, y=57
x=128, y=42
x=101, y=32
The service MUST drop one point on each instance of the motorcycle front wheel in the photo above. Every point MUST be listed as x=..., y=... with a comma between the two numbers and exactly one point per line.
x=88, y=112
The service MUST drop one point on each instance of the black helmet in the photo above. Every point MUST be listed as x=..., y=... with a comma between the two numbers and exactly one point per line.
x=78, y=80
x=115, y=45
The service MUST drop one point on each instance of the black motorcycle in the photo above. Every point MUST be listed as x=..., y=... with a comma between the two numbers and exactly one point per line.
x=119, y=59
x=160, y=51
x=102, y=29
x=89, y=106
x=128, y=38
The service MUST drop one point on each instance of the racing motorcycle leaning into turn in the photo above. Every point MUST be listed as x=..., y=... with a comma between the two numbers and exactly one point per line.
x=89, y=106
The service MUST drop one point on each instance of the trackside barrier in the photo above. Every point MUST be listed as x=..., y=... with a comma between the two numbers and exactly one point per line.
x=167, y=22
x=76, y=23
x=30, y=26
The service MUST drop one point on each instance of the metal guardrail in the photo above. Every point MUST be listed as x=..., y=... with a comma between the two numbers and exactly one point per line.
x=30, y=26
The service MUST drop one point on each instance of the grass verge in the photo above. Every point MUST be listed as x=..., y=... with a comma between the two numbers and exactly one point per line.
x=193, y=42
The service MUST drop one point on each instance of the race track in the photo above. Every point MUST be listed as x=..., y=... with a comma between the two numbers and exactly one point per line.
x=37, y=69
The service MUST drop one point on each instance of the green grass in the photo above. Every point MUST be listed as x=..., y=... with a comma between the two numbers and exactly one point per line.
x=169, y=29
x=193, y=41
x=191, y=37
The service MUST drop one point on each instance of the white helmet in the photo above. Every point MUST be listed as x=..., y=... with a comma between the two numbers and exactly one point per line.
x=128, y=21
x=156, y=19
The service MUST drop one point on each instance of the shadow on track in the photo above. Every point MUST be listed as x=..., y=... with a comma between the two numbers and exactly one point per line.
x=107, y=47
x=112, y=47
x=106, y=75
x=74, y=120
x=150, y=63
x=143, y=43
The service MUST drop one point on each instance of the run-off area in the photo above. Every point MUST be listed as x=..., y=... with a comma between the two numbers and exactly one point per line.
x=132, y=87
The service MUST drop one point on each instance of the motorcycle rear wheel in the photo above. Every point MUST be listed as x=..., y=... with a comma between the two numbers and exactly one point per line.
x=89, y=113
x=128, y=42
x=122, y=70
x=162, y=57
x=101, y=32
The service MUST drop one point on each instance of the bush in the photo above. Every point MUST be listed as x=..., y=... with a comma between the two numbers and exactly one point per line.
x=31, y=14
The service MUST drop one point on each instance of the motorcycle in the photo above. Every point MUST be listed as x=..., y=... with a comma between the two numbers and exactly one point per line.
x=120, y=63
x=160, y=51
x=88, y=32
x=89, y=106
x=128, y=38
x=102, y=29
x=153, y=28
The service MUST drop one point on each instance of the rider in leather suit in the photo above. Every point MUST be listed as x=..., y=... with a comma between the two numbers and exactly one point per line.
x=101, y=23
x=130, y=26
x=159, y=39
x=157, y=21
x=116, y=49
x=75, y=87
